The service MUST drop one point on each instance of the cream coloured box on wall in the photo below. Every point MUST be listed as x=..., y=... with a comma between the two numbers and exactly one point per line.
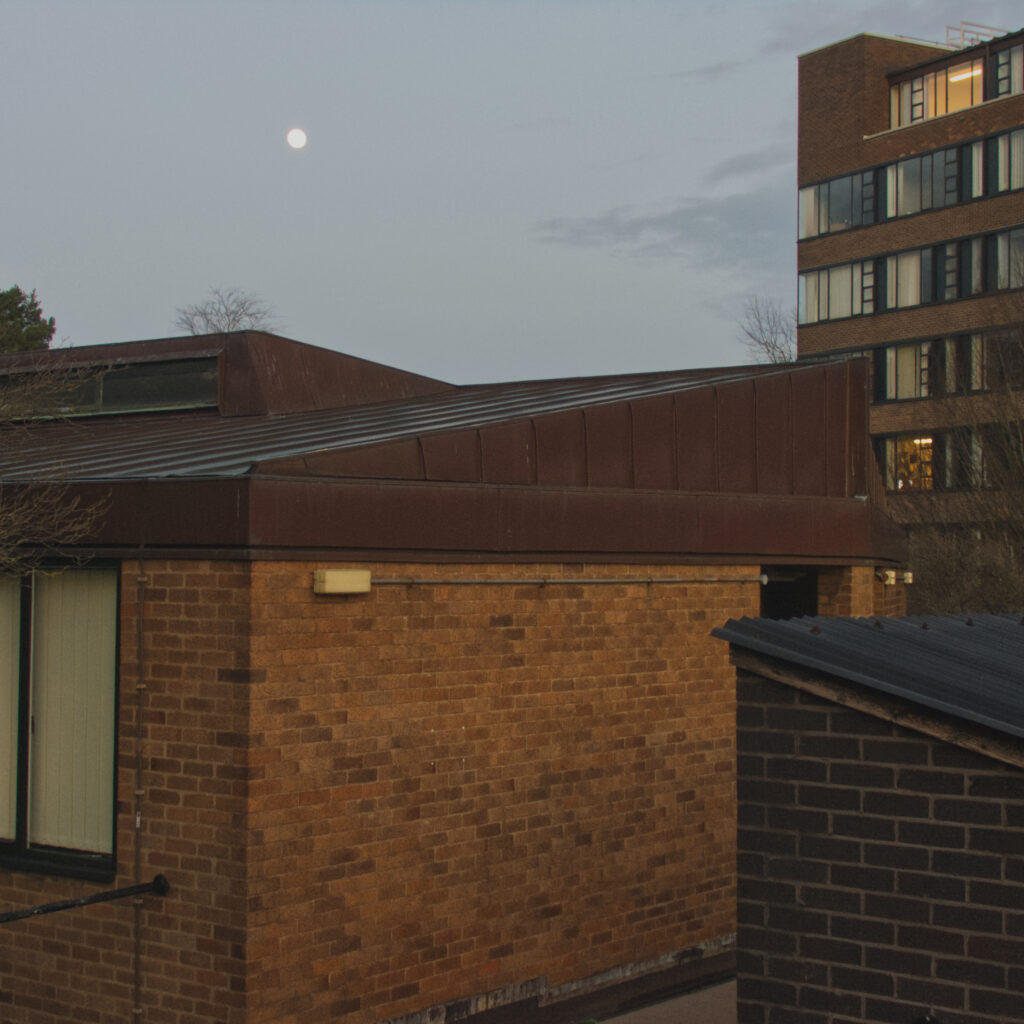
x=341, y=581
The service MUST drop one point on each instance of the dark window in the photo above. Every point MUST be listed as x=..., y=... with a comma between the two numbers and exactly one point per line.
x=791, y=591
x=138, y=387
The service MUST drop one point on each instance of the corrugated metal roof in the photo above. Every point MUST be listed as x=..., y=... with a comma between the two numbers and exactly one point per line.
x=205, y=445
x=968, y=666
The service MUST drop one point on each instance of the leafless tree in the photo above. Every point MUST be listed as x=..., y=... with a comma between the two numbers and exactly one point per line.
x=227, y=309
x=768, y=330
x=967, y=543
x=39, y=519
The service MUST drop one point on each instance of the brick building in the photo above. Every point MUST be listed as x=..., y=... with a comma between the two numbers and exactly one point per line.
x=881, y=812
x=911, y=245
x=406, y=688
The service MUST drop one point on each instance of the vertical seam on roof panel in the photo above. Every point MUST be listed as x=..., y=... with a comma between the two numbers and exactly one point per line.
x=632, y=445
x=755, y=415
x=675, y=441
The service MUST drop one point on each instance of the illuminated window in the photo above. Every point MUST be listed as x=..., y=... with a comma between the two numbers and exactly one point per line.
x=908, y=462
x=937, y=93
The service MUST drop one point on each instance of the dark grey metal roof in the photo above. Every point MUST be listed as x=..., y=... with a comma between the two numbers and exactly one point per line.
x=968, y=666
x=206, y=445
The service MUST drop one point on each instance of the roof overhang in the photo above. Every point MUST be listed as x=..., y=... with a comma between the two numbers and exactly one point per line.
x=402, y=519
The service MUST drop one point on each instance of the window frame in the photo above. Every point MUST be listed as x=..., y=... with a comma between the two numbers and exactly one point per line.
x=20, y=853
x=974, y=170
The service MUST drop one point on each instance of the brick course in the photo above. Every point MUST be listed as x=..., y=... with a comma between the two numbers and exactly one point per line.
x=902, y=884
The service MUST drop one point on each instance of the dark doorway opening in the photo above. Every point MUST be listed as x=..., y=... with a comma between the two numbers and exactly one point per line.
x=791, y=591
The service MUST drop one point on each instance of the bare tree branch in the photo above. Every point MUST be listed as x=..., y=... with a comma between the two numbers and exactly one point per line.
x=227, y=309
x=768, y=331
x=967, y=532
x=40, y=520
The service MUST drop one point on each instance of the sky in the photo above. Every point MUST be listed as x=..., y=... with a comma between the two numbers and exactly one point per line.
x=491, y=190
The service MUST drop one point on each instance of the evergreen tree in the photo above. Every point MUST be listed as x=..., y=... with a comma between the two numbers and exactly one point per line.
x=22, y=326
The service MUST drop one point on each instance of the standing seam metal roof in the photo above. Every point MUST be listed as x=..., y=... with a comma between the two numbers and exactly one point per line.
x=207, y=445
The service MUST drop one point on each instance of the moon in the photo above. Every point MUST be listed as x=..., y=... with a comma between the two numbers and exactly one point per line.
x=296, y=138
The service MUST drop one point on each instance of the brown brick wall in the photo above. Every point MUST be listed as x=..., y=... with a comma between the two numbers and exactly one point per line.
x=844, y=109
x=460, y=788
x=930, y=228
x=78, y=965
x=881, y=874
x=859, y=591
x=922, y=322
x=370, y=805
x=844, y=118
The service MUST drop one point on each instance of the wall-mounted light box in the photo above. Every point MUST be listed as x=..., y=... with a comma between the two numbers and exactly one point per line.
x=341, y=581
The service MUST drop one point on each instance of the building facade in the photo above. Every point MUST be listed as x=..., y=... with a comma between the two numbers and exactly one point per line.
x=407, y=689
x=911, y=245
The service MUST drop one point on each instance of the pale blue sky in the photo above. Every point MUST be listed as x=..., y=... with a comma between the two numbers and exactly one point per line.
x=492, y=189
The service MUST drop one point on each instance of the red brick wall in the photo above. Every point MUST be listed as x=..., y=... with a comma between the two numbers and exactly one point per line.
x=456, y=789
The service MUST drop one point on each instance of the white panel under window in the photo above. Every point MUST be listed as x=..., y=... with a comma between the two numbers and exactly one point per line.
x=808, y=298
x=977, y=362
x=1016, y=174
x=10, y=629
x=1016, y=261
x=908, y=186
x=890, y=191
x=909, y=279
x=1003, y=260
x=977, y=275
x=949, y=362
x=977, y=169
x=939, y=88
x=907, y=371
x=808, y=227
x=839, y=294
x=74, y=630
x=1003, y=163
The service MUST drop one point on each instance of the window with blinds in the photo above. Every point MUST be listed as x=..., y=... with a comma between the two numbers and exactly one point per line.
x=58, y=670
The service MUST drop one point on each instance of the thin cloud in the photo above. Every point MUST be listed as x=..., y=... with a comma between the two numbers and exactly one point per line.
x=707, y=71
x=747, y=232
x=778, y=156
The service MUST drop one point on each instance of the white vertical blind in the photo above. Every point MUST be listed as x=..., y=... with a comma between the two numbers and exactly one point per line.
x=10, y=630
x=71, y=757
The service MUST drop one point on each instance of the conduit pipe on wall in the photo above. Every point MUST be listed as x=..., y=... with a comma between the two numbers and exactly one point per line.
x=555, y=580
x=140, y=690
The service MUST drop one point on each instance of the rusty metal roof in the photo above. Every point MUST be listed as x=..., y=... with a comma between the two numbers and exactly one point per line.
x=207, y=445
x=971, y=667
